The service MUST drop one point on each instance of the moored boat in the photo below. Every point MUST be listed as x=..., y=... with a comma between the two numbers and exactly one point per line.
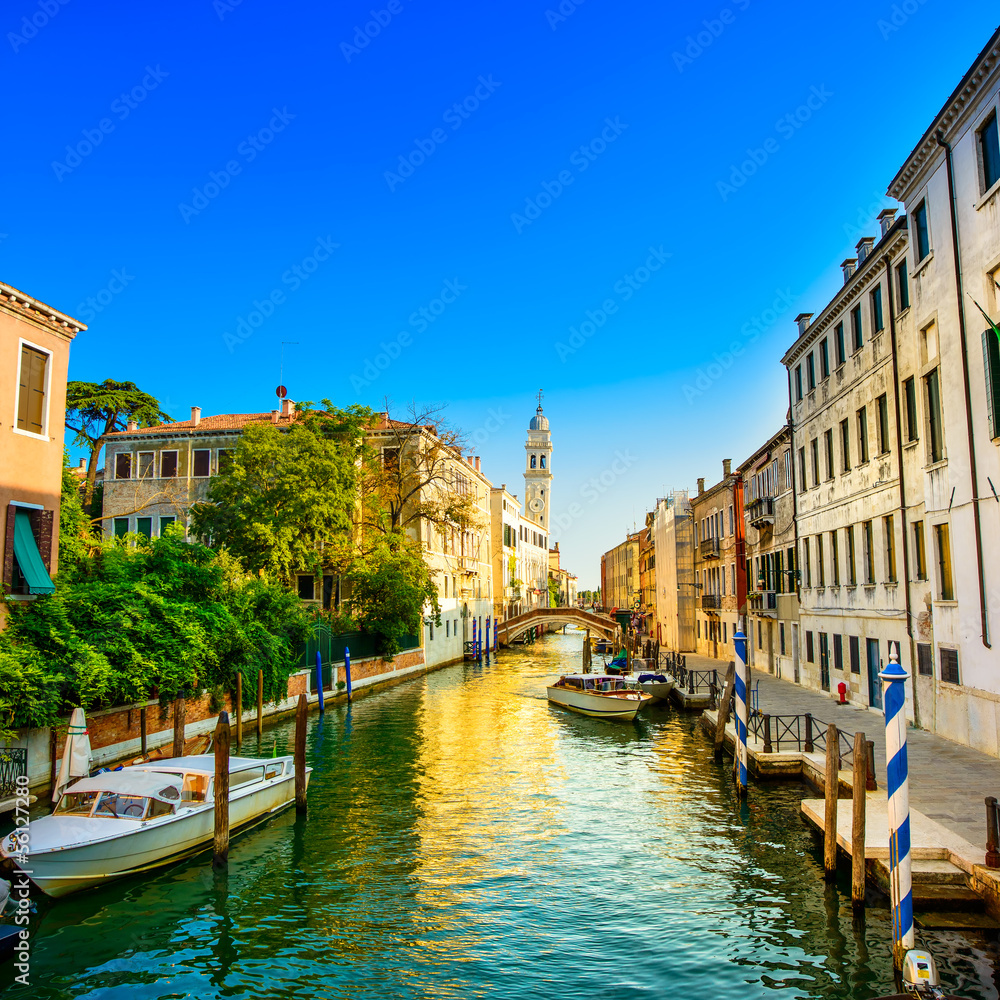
x=601, y=696
x=658, y=685
x=124, y=822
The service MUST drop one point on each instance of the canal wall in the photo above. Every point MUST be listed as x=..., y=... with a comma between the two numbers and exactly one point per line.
x=115, y=735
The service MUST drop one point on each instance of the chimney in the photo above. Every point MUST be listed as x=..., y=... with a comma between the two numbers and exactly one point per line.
x=803, y=320
x=701, y=486
x=886, y=218
x=727, y=468
x=503, y=486
x=132, y=426
x=478, y=469
x=468, y=459
x=850, y=266
x=864, y=248
x=83, y=463
x=274, y=416
x=288, y=407
x=195, y=416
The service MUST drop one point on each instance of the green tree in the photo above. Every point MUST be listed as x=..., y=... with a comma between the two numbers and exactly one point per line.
x=287, y=502
x=94, y=409
x=74, y=525
x=390, y=589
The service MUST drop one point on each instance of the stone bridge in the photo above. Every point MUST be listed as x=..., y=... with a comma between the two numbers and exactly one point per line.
x=513, y=627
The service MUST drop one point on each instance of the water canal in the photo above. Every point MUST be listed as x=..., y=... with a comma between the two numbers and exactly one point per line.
x=466, y=840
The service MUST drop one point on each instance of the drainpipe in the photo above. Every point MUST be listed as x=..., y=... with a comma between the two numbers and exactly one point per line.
x=968, y=392
x=902, y=478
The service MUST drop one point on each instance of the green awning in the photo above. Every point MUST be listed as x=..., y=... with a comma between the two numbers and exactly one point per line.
x=28, y=558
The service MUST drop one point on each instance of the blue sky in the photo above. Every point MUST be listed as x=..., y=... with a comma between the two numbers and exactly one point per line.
x=464, y=204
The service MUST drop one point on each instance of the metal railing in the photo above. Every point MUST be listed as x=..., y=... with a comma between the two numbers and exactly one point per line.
x=803, y=733
x=709, y=547
x=761, y=510
x=711, y=602
x=13, y=765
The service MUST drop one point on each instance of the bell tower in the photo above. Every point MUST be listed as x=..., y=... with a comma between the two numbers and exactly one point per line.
x=538, y=470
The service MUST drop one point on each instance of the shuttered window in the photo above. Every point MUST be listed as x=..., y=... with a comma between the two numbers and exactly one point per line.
x=991, y=365
x=31, y=397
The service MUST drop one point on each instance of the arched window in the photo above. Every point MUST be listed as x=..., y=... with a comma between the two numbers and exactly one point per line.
x=533, y=461
x=543, y=461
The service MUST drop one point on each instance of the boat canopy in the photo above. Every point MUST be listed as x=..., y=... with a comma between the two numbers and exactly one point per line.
x=164, y=787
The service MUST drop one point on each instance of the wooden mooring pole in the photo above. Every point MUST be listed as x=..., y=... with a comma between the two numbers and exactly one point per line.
x=180, y=712
x=859, y=814
x=238, y=709
x=723, y=717
x=260, y=703
x=832, y=790
x=301, y=720
x=220, y=844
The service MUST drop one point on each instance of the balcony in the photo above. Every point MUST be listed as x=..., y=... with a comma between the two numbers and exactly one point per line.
x=760, y=512
x=711, y=602
x=763, y=602
x=469, y=564
x=709, y=548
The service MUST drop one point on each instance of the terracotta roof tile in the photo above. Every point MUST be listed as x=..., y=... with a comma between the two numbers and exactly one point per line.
x=219, y=422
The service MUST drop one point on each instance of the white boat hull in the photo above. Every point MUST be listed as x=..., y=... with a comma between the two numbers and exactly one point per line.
x=60, y=871
x=659, y=690
x=607, y=705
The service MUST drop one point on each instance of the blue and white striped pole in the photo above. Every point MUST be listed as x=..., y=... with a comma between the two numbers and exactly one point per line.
x=740, y=689
x=347, y=670
x=897, y=788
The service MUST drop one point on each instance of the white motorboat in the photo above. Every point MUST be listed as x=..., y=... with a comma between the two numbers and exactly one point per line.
x=120, y=823
x=601, y=696
x=658, y=685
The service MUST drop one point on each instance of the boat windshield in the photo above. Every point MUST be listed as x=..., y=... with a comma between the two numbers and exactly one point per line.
x=76, y=804
x=121, y=806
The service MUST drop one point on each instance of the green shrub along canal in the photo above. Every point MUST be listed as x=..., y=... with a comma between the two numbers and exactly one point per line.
x=466, y=840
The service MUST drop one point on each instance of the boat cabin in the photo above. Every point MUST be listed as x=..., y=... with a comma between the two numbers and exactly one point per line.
x=592, y=682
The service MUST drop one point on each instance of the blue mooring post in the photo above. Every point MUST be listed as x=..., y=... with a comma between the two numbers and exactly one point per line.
x=487, y=636
x=496, y=630
x=473, y=636
x=894, y=679
x=319, y=677
x=740, y=688
x=347, y=670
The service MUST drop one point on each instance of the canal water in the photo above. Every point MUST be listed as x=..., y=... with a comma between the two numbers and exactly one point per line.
x=465, y=839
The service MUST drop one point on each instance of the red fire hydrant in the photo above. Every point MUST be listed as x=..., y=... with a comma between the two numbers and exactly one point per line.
x=842, y=691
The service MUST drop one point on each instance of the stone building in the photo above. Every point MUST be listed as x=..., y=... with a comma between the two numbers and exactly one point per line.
x=719, y=566
x=850, y=512
x=769, y=515
x=948, y=380
x=620, y=586
x=647, y=571
x=505, y=510
x=676, y=592
x=34, y=352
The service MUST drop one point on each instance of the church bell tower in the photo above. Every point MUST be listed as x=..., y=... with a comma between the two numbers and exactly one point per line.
x=538, y=470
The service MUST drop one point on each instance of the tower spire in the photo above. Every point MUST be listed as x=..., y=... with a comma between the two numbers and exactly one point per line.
x=538, y=469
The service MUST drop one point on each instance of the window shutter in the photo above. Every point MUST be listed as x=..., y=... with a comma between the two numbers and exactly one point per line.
x=991, y=365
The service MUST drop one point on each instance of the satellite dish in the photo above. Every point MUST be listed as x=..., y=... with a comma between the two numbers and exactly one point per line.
x=281, y=392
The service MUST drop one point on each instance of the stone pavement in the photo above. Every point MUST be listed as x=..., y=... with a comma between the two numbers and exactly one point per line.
x=948, y=781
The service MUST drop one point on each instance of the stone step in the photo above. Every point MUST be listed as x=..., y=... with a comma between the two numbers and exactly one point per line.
x=936, y=873
x=946, y=897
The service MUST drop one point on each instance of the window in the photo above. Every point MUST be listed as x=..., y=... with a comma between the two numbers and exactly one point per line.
x=989, y=153
x=806, y=561
x=869, y=554
x=534, y=461
x=307, y=588
x=788, y=469
x=121, y=527
x=732, y=521
x=802, y=469
x=447, y=628
x=123, y=465
x=814, y=450
x=820, y=569
x=824, y=358
x=919, y=554
x=541, y=461
x=791, y=569
x=863, y=434
x=168, y=464
x=144, y=526
x=811, y=371
x=878, y=324
x=845, y=445
x=883, y=424
x=834, y=559
x=925, y=659
x=910, y=398
x=146, y=464
x=920, y=233
x=202, y=463
x=889, y=527
x=838, y=334
x=724, y=631
x=902, y=286
x=165, y=521
x=781, y=638
x=798, y=383
x=838, y=652
x=810, y=655
x=31, y=390
x=991, y=365
x=949, y=665
x=224, y=460
x=932, y=389
x=852, y=564
x=855, y=653
x=857, y=335
x=946, y=588
x=830, y=463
